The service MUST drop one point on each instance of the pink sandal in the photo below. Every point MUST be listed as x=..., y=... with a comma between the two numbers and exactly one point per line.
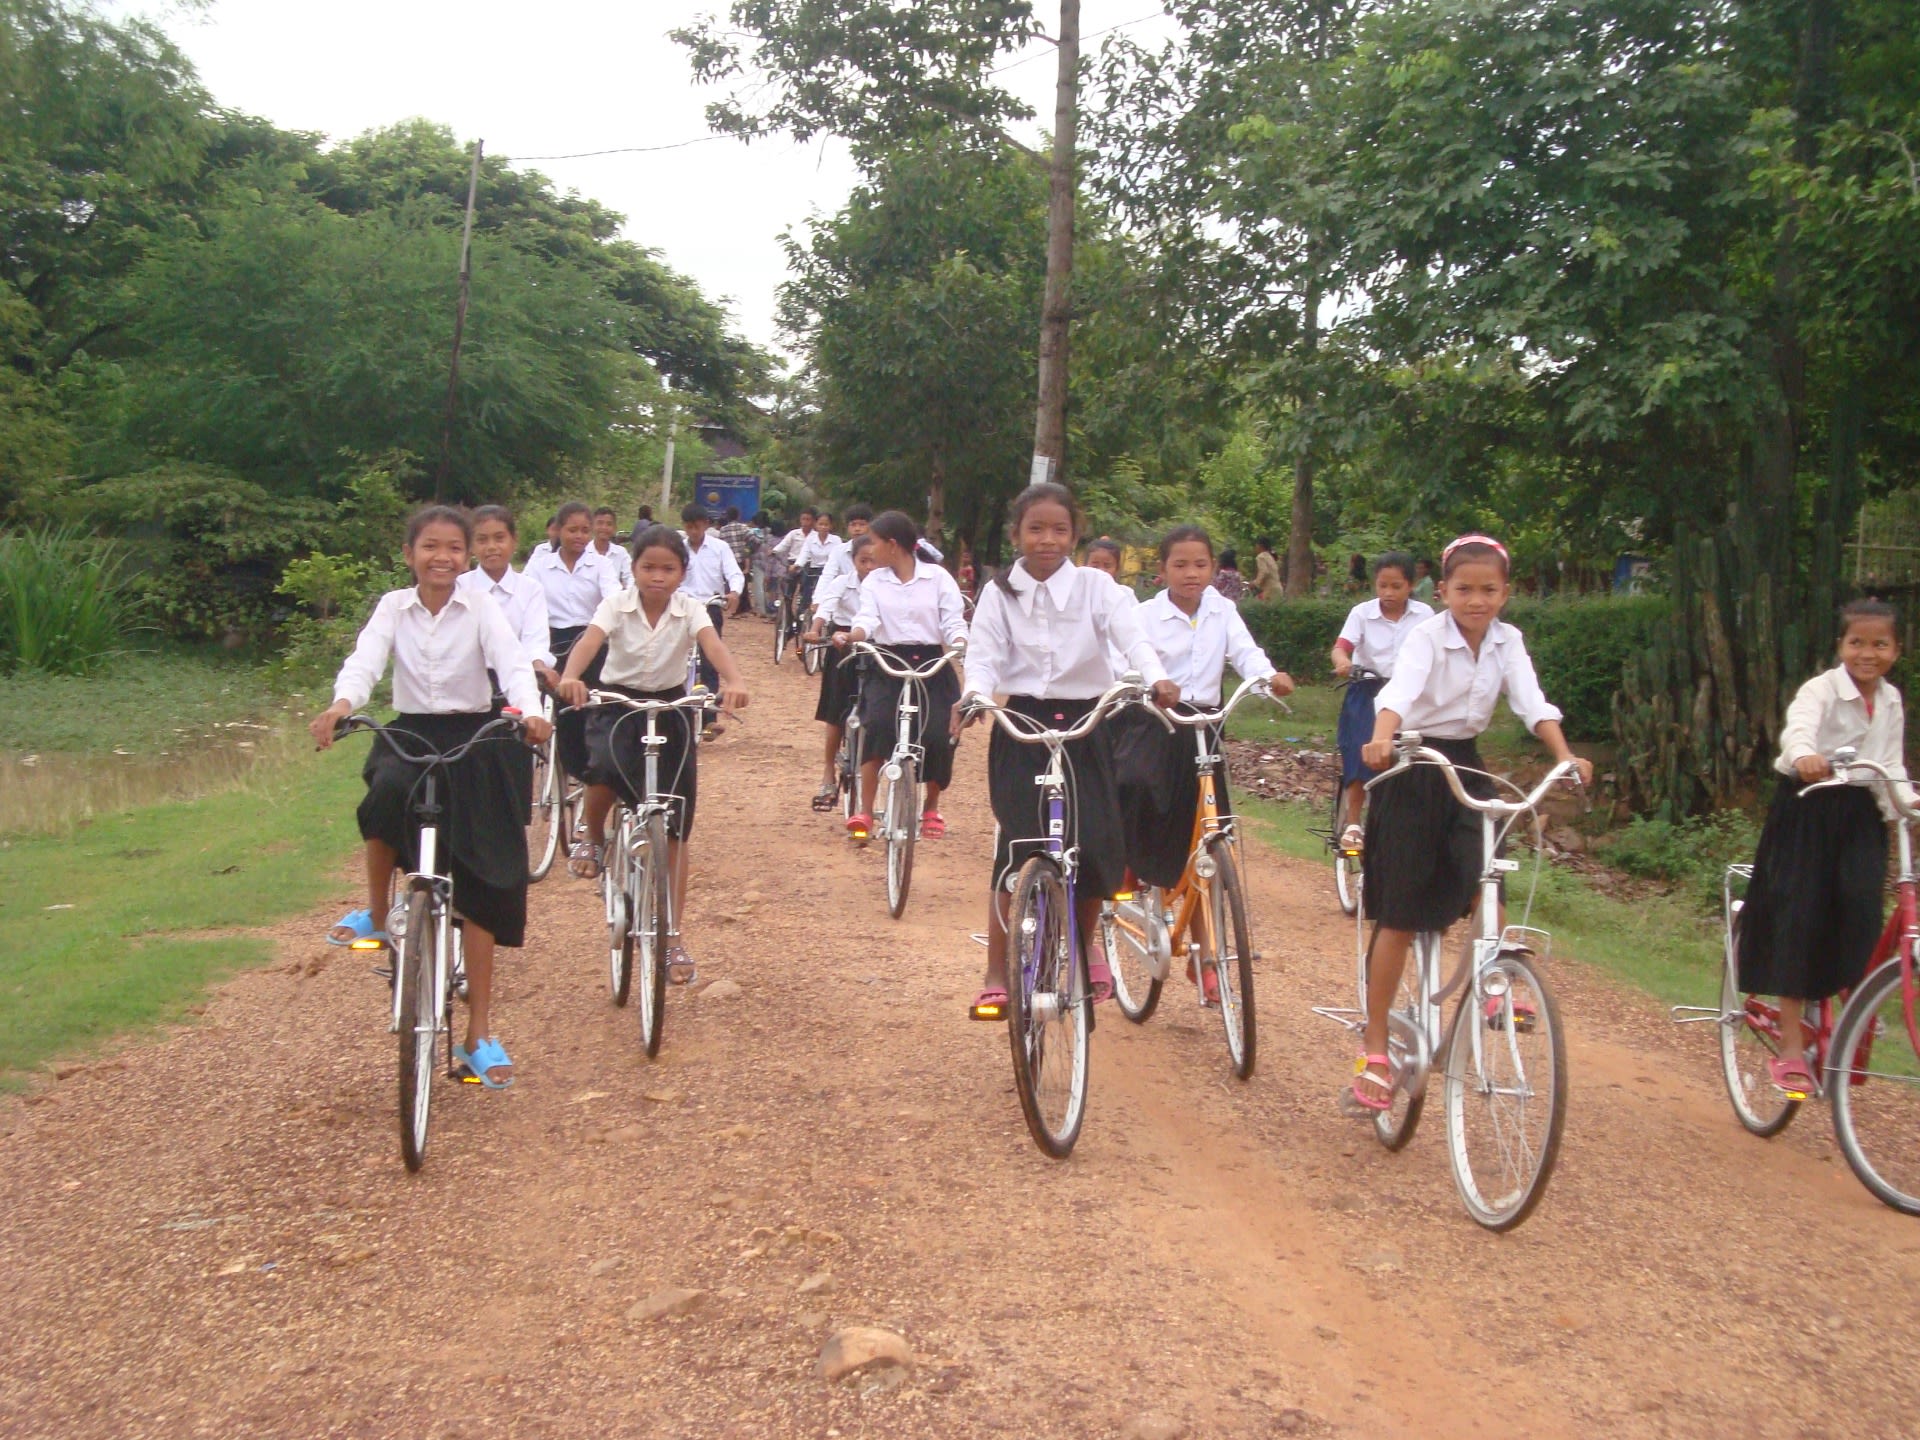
x=932, y=827
x=1355, y=1101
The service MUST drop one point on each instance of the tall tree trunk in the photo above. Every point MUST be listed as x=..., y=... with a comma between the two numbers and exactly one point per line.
x=1056, y=309
x=1300, y=536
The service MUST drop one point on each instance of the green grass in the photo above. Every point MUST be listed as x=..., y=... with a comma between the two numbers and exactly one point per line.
x=127, y=949
x=1316, y=718
x=1660, y=944
x=147, y=703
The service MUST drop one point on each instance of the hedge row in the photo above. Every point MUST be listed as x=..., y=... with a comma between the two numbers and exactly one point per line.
x=1578, y=646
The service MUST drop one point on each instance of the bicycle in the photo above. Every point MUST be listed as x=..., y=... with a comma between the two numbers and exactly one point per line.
x=1348, y=862
x=549, y=820
x=853, y=749
x=1871, y=1035
x=796, y=598
x=899, y=807
x=636, y=883
x=429, y=956
x=1206, y=909
x=1049, y=998
x=1488, y=1084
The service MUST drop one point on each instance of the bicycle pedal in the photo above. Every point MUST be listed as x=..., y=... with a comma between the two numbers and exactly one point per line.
x=384, y=972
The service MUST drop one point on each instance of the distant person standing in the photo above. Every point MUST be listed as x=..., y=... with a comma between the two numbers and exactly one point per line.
x=1228, y=580
x=1423, y=581
x=608, y=548
x=1266, y=570
x=739, y=537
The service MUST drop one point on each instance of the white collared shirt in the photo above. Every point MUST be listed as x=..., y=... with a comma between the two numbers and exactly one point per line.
x=573, y=595
x=440, y=662
x=814, y=550
x=524, y=603
x=839, y=562
x=1376, y=639
x=836, y=598
x=711, y=569
x=791, y=544
x=616, y=555
x=1828, y=712
x=926, y=609
x=1441, y=688
x=1050, y=640
x=1196, y=648
x=645, y=656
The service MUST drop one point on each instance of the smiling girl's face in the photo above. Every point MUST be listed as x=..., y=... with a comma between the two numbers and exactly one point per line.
x=1044, y=537
x=1869, y=649
x=438, y=555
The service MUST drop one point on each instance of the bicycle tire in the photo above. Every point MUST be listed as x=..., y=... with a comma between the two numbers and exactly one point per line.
x=1760, y=1106
x=620, y=926
x=782, y=621
x=1863, y=1056
x=1509, y=1191
x=544, y=819
x=1232, y=960
x=1394, y=1126
x=811, y=658
x=1049, y=1008
x=1136, y=989
x=1346, y=869
x=419, y=1015
x=652, y=877
x=851, y=743
x=903, y=824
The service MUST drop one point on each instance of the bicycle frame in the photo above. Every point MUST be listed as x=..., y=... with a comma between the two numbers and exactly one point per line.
x=906, y=730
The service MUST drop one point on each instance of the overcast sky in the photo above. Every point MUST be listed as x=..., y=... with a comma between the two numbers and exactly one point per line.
x=559, y=77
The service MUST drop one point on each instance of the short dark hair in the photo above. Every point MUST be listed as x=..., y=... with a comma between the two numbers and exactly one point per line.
x=691, y=513
x=1107, y=547
x=606, y=510
x=808, y=510
x=567, y=511
x=860, y=543
x=1395, y=560
x=1866, y=608
x=733, y=513
x=819, y=515
x=1474, y=552
x=438, y=515
x=1180, y=535
x=660, y=537
x=858, y=511
x=895, y=525
x=496, y=512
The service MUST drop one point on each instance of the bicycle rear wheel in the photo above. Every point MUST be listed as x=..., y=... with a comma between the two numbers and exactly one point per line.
x=811, y=659
x=1874, y=1084
x=1346, y=864
x=1129, y=930
x=650, y=907
x=1049, y=1020
x=1505, y=1093
x=849, y=767
x=419, y=1016
x=1230, y=953
x=616, y=882
x=903, y=822
x=1749, y=1031
x=544, y=821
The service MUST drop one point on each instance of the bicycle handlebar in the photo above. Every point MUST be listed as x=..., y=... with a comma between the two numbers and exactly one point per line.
x=1845, y=759
x=1412, y=752
x=1200, y=717
x=697, y=700
x=355, y=724
x=883, y=659
x=1126, y=692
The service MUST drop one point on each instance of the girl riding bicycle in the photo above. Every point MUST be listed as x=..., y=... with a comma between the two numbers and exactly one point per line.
x=576, y=578
x=835, y=604
x=646, y=631
x=1042, y=633
x=1814, y=904
x=1369, y=641
x=443, y=640
x=523, y=598
x=915, y=609
x=1424, y=846
x=1196, y=631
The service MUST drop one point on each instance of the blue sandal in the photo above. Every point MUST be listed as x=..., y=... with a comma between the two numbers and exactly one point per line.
x=360, y=922
x=488, y=1054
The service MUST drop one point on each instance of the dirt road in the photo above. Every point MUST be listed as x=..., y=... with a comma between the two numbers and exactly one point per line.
x=212, y=1234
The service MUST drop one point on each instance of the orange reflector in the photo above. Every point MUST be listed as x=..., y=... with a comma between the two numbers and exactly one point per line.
x=368, y=943
x=989, y=1012
x=1124, y=895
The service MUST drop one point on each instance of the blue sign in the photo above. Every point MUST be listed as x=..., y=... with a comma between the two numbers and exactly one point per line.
x=717, y=492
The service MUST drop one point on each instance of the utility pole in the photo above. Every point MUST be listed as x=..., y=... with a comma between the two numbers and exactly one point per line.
x=1056, y=309
x=666, y=472
x=459, y=326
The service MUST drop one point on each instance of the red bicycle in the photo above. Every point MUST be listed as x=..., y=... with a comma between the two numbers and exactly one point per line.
x=1871, y=1036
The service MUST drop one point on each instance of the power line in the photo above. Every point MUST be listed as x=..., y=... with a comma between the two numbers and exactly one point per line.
x=629, y=149
x=1091, y=35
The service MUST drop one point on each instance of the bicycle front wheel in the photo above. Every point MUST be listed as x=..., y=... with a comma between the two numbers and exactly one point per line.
x=650, y=908
x=1129, y=930
x=616, y=880
x=1874, y=1083
x=849, y=767
x=419, y=1014
x=543, y=822
x=903, y=823
x=1505, y=1092
x=1049, y=1009
x=811, y=659
x=782, y=626
x=1230, y=952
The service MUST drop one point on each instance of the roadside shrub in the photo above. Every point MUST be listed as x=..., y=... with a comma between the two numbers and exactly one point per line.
x=334, y=594
x=1690, y=855
x=66, y=601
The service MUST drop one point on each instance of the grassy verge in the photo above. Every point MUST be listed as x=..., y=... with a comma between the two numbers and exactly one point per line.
x=1660, y=944
x=119, y=928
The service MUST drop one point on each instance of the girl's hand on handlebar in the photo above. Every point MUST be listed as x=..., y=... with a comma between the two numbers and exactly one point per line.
x=1165, y=694
x=536, y=728
x=321, y=727
x=840, y=640
x=574, y=692
x=1583, y=768
x=1377, y=754
x=732, y=697
x=1342, y=666
x=1282, y=684
x=1812, y=767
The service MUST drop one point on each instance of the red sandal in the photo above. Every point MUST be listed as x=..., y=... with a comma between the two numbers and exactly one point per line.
x=1355, y=1101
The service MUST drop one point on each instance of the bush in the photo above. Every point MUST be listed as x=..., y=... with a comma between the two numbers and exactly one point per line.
x=66, y=602
x=1692, y=855
x=1579, y=646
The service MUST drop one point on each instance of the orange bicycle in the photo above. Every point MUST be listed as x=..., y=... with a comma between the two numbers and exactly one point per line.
x=1205, y=914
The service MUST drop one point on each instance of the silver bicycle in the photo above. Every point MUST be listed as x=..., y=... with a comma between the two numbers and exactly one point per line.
x=1503, y=1054
x=899, y=798
x=636, y=883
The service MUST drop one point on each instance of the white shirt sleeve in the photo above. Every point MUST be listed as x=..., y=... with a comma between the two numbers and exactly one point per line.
x=1249, y=661
x=368, y=662
x=1128, y=636
x=609, y=574
x=1524, y=695
x=986, y=642
x=953, y=610
x=866, y=612
x=1355, y=630
x=606, y=617
x=1411, y=670
x=536, y=635
x=506, y=656
x=826, y=595
x=730, y=569
x=1800, y=736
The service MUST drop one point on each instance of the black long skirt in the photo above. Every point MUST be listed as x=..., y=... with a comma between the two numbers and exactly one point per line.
x=1160, y=794
x=617, y=753
x=484, y=799
x=570, y=725
x=880, y=711
x=1816, y=900
x=1093, y=798
x=839, y=679
x=1424, y=848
